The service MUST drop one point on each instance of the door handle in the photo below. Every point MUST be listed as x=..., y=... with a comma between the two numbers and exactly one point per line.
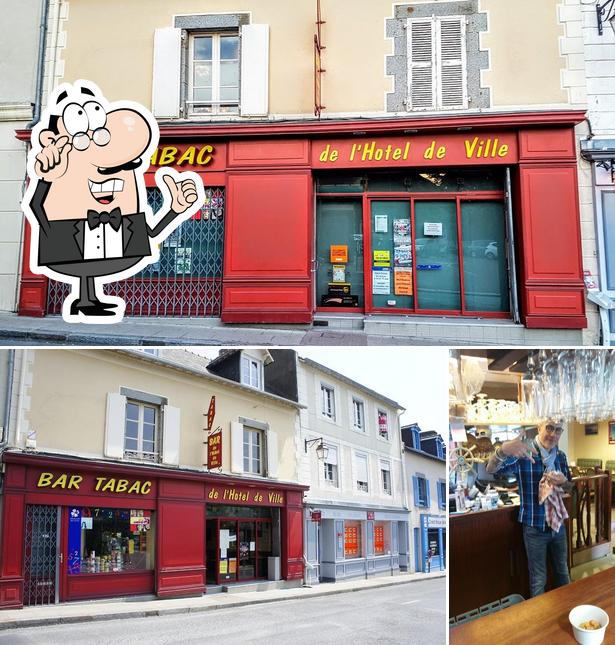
x=61, y=557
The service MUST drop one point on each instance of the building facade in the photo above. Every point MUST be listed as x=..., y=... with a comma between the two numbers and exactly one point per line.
x=597, y=170
x=19, y=63
x=438, y=176
x=425, y=462
x=349, y=454
x=109, y=491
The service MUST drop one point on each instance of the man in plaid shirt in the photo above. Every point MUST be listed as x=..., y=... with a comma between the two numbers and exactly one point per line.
x=529, y=462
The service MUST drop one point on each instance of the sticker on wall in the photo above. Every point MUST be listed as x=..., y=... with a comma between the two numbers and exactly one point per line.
x=381, y=281
x=86, y=200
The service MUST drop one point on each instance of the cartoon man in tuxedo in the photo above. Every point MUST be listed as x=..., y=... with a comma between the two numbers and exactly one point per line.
x=86, y=200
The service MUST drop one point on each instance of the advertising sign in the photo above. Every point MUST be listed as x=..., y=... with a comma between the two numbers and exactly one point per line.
x=74, y=540
x=211, y=413
x=214, y=450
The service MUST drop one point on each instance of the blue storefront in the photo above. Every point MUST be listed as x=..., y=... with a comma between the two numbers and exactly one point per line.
x=430, y=535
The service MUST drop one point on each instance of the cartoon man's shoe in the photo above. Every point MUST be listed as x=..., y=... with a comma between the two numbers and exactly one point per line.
x=98, y=309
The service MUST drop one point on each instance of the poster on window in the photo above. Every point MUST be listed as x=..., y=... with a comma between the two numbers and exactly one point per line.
x=402, y=279
x=381, y=281
x=183, y=260
x=402, y=256
x=401, y=230
x=139, y=521
x=381, y=224
x=339, y=273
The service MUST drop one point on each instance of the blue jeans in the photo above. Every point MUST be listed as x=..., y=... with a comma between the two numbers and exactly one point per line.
x=538, y=544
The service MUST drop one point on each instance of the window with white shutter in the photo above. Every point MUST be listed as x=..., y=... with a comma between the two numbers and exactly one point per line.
x=437, y=68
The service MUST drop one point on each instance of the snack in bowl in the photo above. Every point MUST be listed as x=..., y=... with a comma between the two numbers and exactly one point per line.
x=589, y=624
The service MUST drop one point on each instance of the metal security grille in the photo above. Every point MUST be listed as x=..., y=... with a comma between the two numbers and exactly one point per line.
x=41, y=555
x=187, y=279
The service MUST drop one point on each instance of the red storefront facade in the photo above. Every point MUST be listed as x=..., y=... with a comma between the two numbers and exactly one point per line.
x=77, y=529
x=298, y=192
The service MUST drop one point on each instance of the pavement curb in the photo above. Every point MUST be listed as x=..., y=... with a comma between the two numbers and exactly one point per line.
x=88, y=618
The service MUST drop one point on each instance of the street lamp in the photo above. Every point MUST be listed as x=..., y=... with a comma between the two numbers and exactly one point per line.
x=606, y=14
x=321, y=450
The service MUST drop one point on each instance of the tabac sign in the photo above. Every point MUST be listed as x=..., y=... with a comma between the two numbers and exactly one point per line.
x=91, y=484
x=417, y=150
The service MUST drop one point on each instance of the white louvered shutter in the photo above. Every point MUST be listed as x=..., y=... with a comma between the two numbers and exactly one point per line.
x=272, y=454
x=115, y=425
x=170, y=435
x=421, y=65
x=236, y=447
x=165, y=82
x=254, y=95
x=451, y=85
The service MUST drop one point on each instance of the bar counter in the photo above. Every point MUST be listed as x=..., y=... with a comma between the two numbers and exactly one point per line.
x=543, y=619
x=487, y=559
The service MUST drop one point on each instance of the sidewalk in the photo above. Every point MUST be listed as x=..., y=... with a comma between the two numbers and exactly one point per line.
x=53, y=330
x=95, y=610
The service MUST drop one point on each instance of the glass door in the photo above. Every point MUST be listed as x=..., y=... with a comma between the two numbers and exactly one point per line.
x=391, y=255
x=437, y=256
x=339, y=253
x=264, y=546
x=211, y=551
x=485, y=270
x=247, y=550
x=227, y=552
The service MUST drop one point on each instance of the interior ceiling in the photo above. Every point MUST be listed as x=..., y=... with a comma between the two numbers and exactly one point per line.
x=502, y=360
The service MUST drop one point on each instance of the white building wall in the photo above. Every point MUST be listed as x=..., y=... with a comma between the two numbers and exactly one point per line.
x=599, y=55
x=348, y=441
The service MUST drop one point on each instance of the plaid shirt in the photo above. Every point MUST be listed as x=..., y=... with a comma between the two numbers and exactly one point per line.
x=528, y=476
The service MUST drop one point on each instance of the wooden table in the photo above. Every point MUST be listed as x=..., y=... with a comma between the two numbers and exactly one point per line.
x=543, y=619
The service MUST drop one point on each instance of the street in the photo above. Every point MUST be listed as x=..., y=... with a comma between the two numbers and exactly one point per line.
x=412, y=614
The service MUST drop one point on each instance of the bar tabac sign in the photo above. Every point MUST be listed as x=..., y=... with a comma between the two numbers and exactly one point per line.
x=71, y=481
x=244, y=495
x=418, y=150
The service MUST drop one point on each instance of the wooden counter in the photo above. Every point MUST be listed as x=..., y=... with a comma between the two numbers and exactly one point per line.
x=487, y=558
x=543, y=619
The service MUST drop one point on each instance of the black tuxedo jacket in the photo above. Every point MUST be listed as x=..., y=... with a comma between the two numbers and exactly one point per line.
x=62, y=241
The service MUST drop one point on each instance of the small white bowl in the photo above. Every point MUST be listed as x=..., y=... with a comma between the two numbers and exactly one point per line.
x=583, y=613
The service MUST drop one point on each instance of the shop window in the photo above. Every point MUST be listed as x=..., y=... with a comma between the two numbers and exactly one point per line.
x=442, y=495
x=382, y=532
x=385, y=474
x=358, y=414
x=213, y=80
x=362, y=478
x=141, y=431
x=251, y=372
x=331, y=467
x=421, y=491
x=328, y=401
x=108, y=540
x=253, y=441
x=437, y=64
x=352, y=539
x=383, y=424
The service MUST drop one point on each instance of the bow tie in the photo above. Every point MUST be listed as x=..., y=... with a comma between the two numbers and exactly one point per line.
x=114, y=218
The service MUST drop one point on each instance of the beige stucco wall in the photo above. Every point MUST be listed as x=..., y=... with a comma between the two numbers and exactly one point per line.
x=121, y=60
x=523, y=40
x=112, y=45
x=68, y=398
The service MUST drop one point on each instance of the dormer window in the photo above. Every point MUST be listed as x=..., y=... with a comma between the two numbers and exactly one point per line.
x=251, y=371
